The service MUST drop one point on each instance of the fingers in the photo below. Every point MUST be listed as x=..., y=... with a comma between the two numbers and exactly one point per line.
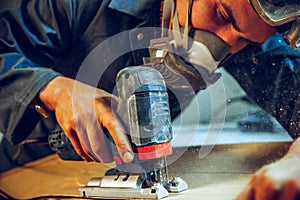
x=263, y=186
x=117, y=132
x=258, y=192
x=255, y=191
x=289, y=191
x=87, y=136
x=82, y=111
x=120, y=138
x=90, y=142
x=271, y=183
x=80, y=150
x=247, y=194
x=98, y=143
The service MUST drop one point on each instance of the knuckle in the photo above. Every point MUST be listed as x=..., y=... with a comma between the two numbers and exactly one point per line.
x=80, y=152
x=110, y=124
x=121, y=144
x=83, y=155
x=101, y=153
x=97, y=149
x=103, y=106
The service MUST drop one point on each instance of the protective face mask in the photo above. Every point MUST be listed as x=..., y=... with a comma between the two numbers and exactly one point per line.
x=186, y=57
x=192, y=66
x=204, y=49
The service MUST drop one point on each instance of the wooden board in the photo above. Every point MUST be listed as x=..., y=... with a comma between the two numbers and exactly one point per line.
x=222, y=174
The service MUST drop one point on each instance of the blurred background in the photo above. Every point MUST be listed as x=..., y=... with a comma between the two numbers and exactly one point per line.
x=224, y=114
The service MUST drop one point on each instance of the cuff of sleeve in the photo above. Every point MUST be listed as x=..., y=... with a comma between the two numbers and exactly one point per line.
x=26, y=118
x=37, y=105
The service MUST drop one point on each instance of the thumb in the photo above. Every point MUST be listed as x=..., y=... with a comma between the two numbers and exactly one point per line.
x=122, y=142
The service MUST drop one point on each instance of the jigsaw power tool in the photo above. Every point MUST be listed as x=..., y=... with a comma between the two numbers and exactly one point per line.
x=144, y=111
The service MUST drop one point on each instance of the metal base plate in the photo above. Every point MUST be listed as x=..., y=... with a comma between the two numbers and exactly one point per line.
x=129, y=187
x=155, y=192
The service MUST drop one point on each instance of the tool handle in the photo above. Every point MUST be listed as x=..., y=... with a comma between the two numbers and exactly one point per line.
x=61, y=144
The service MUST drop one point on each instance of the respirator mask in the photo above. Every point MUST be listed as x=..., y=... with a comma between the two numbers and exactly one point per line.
x=187, y=58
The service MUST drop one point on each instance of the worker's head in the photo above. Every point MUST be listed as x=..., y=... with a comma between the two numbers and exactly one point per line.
x=239, y=22
x=217, y=28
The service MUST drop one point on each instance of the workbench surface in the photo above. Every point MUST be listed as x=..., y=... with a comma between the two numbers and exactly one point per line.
x=220, y=175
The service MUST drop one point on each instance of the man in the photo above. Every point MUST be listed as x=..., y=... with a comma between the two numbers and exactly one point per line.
x=43, y=43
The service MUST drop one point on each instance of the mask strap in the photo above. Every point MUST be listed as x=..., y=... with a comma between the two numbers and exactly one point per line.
x=170, y=18
x=167, y=15
x=292, y=36
x=182, y=39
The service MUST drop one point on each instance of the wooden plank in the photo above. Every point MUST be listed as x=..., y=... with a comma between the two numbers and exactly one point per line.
x=222, y=174
x=49, y=176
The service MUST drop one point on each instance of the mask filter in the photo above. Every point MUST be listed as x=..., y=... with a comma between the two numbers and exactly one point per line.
x=193, y=66
x=187, y=58
x=205, y=50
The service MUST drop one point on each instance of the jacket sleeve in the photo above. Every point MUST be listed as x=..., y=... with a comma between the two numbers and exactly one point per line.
x=18, y=87
x=34, y=37
x=270, y=75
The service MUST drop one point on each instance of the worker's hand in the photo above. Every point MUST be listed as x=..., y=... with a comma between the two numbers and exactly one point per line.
x=82, y=112
x=279, y=180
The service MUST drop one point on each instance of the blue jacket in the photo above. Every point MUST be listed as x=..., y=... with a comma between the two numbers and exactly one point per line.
x=270, y=75
x=40, y=40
